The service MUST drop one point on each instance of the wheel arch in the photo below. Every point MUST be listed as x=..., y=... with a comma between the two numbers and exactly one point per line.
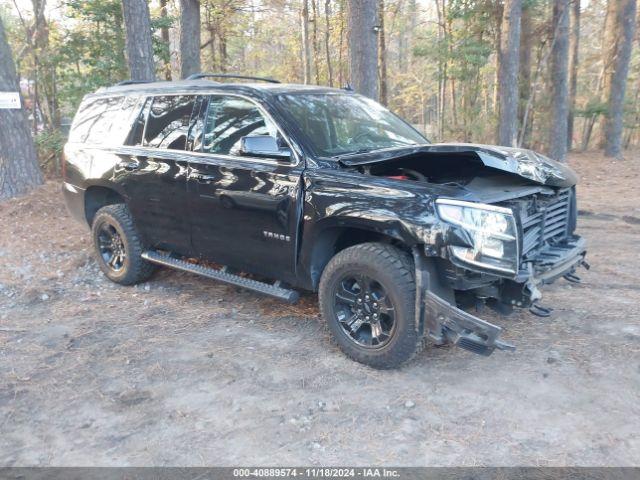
x=98, y=196
x=333, y=237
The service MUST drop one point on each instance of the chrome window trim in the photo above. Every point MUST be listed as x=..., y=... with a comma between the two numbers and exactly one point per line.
x=181, y=155
x=211, y=92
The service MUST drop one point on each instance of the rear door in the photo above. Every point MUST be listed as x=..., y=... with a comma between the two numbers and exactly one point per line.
x=244, y=211
x=153, y=171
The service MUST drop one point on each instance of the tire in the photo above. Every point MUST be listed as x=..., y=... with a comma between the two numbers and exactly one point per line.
x=129, y=268
x=387, y=274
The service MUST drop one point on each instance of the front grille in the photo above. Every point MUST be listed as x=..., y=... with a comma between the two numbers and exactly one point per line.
x=545, y=222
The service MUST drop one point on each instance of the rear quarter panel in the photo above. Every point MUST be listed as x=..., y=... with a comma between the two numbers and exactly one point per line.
x=87, y=166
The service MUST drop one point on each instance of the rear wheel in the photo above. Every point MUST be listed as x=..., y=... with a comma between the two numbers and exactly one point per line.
x=367, y=298
x=119, y=246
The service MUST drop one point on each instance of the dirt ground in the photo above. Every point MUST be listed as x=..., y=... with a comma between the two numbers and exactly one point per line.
x=186, y=371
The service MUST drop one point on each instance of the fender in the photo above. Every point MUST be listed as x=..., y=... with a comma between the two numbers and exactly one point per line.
x=336, y=200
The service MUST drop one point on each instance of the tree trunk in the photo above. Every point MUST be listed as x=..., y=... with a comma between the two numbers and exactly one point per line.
x=327, y=37
x=442, y=69
x=560, y=82
x=306, y=50
x=382, y=55
x=609, y=48
x=222, y=50
x=626, y=24
x=316, y=45
x=189, y=37
x=44, y=68
x=573, y=68
x=524, y=67
x=497, y=44
x=19, y=169
x=139, y=47
x=587, y=126
x=213, y=51
x=341, y=16
x=164, y=34
x=363, y=46
x=508, y=74
x=409, y=38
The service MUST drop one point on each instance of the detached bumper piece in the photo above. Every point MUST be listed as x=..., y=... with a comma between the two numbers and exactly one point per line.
x=462, y=328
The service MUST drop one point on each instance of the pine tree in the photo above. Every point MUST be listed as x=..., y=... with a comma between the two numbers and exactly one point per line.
x=559, y=81
x=363, y=46
x=19, y=169
x=626, y=24
x=139, y=45
x=189, y=37
x=508, y=73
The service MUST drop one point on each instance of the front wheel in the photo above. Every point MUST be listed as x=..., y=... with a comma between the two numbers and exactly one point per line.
x=367, y=298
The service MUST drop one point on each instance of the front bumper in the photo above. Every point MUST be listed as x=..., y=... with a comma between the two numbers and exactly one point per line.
x=554, y=262
x=446, y=323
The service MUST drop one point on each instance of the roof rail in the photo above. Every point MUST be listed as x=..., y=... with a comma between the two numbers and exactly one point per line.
x=130, y=82
x=197, y=76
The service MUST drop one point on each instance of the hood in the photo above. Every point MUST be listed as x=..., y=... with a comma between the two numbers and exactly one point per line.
x=525, y=163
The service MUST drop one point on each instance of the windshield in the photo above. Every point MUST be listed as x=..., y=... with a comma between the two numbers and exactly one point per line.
x=339, y=124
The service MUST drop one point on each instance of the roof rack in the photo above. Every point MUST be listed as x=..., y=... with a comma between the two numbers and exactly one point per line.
x=197, y=76
x=130, y=82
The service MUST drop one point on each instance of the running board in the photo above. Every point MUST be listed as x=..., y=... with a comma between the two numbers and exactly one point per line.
x=273, y=290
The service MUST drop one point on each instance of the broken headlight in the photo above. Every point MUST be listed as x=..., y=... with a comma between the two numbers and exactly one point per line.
x=491, y=233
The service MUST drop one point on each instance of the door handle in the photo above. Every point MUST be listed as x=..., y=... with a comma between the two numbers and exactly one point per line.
x=280, y=189
x=200, y=178
x=129, y=166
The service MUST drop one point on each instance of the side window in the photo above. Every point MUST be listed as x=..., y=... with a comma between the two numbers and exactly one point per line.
x=228, y=120
x=168, y=122
x=94, y=119
x=123, y=119
x=135, y=135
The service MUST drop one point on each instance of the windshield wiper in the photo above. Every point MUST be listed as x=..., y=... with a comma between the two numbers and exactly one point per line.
x=357, y=152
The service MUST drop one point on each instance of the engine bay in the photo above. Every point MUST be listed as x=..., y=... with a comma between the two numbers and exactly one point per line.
x=458, y=169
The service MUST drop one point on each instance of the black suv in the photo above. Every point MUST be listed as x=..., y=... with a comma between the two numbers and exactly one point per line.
x=325, y=190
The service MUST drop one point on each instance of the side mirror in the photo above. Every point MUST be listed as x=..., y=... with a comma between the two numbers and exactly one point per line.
x=263, y=146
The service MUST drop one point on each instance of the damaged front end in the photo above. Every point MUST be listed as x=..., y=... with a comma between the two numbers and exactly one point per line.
x=504, y=227
x=496, y=244
x=498, y=256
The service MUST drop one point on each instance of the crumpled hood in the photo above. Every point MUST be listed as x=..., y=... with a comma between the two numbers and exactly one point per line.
x=519, y=161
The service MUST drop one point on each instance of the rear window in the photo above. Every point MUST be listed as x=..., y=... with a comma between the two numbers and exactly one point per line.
x=104, y=120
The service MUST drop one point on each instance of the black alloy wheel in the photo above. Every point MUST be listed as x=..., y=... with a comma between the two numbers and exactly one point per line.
x=367, y=299
x=364, y=310
x=111, y=247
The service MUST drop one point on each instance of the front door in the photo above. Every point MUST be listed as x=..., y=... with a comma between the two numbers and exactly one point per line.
x=244, y=211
